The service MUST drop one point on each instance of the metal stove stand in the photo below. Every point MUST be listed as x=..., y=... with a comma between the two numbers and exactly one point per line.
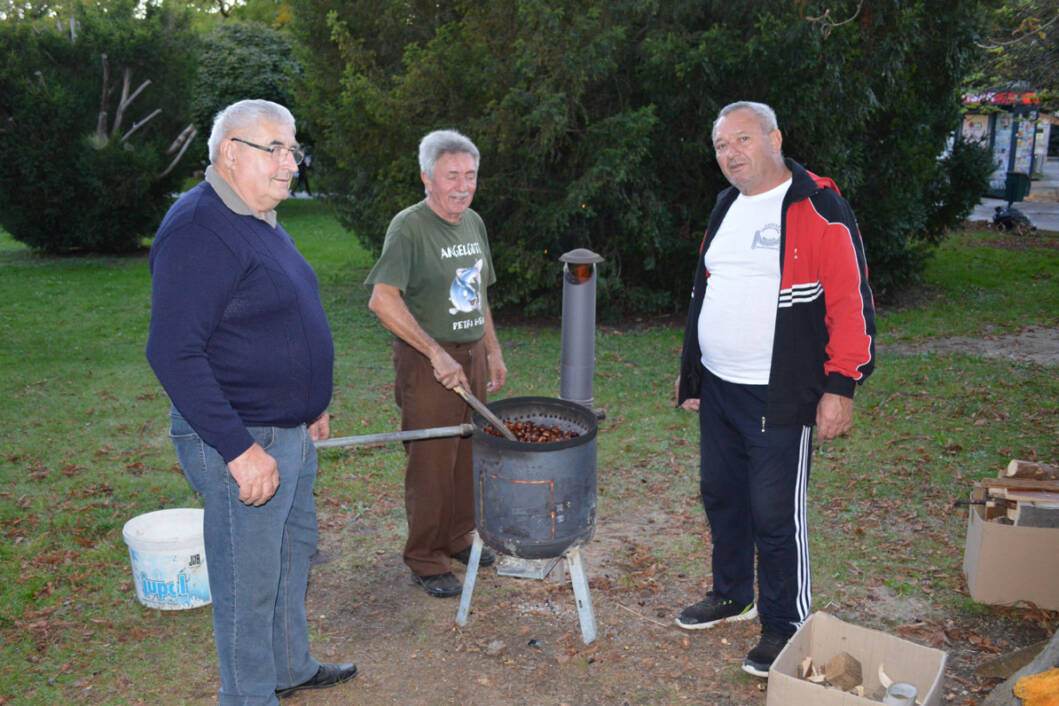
x=577, y=578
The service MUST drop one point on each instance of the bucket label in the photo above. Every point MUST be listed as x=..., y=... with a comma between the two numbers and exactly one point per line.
x=162, y=590
x=170, y=581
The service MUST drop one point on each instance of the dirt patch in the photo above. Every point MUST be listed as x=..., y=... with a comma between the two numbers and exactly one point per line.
x=523, y=645
x=523, y=642
x=1035, y=344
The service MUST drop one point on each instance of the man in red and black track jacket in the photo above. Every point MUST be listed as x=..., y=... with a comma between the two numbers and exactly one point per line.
x=780, y=331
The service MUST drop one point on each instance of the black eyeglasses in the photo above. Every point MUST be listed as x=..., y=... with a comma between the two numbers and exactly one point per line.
x=276, y=150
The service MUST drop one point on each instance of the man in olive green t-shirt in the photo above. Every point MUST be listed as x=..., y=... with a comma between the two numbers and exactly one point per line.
x=429, y=287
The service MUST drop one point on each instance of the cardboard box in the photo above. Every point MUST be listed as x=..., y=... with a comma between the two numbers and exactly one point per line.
x=823, y=636
x=1006, y=564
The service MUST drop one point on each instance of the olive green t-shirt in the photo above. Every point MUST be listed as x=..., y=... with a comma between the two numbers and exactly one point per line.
x=442, y=269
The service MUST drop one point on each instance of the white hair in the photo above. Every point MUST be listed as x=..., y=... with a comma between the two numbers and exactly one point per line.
x=442, y=142
x=765, y=114
x=244, y=114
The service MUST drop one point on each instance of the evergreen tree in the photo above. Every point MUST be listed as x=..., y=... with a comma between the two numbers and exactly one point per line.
x=93, y=124
x=594, y=121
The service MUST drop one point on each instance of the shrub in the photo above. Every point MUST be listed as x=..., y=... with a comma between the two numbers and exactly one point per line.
x=594, y=120
x=85, y=140
x=243, y=60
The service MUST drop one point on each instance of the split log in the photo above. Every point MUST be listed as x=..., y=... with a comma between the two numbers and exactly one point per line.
x=1021, y=484
x=1025, y=496
x=843, y=671
x=1031, y=470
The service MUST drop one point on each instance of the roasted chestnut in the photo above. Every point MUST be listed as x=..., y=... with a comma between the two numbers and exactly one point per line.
x=532, y=433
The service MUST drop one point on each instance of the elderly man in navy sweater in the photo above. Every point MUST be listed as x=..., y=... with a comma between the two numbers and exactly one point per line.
x=240, y=342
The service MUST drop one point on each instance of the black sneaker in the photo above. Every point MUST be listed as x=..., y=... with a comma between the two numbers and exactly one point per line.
x=714, y=610
x=444, y=585
x=488, y=557
x=759, y=659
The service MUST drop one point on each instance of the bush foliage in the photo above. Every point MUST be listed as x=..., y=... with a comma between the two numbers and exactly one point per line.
x=594, y=119
x=80, y=178
x=242, y=60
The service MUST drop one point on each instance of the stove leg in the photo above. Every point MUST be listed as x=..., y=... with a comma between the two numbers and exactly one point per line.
x=581, y=595
x=468, y=580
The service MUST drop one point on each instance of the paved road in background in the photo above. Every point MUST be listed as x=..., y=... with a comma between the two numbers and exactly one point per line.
x=1045, y=216
x=1042, y=209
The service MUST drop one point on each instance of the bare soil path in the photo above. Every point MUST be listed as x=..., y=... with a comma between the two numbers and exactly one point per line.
x=522, y=644
x=1034, y=344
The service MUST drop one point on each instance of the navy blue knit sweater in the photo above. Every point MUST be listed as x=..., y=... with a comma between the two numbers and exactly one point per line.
x=238, y=333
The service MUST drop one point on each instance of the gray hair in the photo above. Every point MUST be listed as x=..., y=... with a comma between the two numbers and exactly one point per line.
x=244, y=114
x=442, y=142
x=766, y=115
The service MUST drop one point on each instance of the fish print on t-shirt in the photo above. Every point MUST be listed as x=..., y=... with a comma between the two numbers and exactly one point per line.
x=465, y=292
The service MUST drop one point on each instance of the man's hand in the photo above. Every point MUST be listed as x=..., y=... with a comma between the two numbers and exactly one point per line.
x=691, y=404
x=257, y=475
x=320, y=428
x=834, y=415
x=497, y=372
x=447, y=371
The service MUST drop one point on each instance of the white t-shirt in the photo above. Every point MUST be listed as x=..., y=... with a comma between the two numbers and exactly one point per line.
x=738, y=317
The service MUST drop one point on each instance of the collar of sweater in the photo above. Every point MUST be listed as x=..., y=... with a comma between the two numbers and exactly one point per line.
x=232, y=199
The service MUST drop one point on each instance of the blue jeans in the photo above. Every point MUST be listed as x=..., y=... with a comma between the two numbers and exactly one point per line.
x=258, y=562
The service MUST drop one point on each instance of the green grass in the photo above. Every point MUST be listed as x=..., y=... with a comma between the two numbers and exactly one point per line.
x=84, y=448
x=973, y=288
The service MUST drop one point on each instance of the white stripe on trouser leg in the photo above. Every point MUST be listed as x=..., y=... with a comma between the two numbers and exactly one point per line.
x=801, y=533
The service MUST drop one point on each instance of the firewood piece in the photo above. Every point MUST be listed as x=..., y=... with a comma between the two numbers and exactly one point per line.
x=998, y=507
x=805, y=668
x=1031, y=470
x=1033, y=496
x=884, y=678
x=1021, y=484
x=843, y=671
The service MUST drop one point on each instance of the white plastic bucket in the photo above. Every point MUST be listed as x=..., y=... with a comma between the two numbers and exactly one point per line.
x=168, y=558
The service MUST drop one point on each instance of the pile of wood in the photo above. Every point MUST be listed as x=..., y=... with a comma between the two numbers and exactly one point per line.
x=843, y=672
x=1026, y=494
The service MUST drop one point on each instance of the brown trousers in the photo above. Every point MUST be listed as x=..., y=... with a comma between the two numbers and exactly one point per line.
x=438, y=484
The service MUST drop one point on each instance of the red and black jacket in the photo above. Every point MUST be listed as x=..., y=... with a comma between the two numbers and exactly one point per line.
x=825, y=320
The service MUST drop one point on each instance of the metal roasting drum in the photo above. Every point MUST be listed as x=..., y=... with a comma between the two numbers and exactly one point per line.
x=535, y=500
